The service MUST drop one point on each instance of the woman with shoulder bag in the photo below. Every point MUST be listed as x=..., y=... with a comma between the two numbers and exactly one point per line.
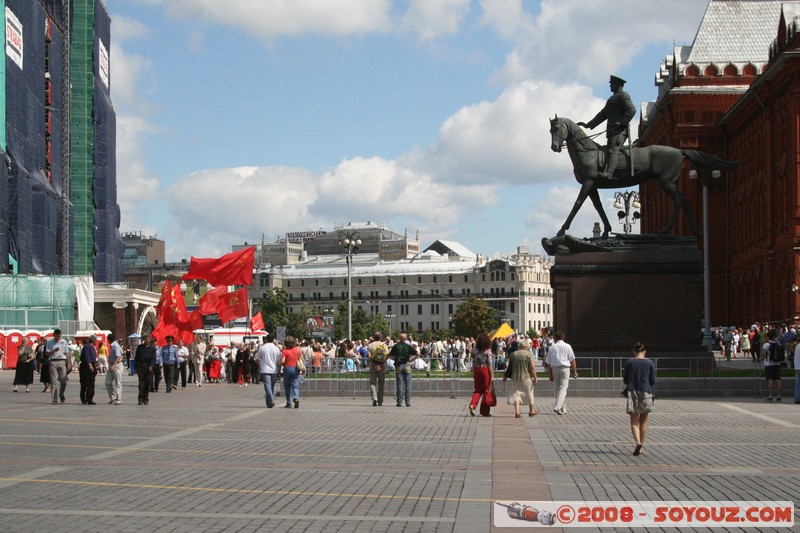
x=291, y=373
x=482, y=374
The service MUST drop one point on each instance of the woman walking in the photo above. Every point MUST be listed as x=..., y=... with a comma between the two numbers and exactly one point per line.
x=482, y=374
x=25, y=366
x=639, y=378
x=43, y=361
x=522, y=371
x=291, y=376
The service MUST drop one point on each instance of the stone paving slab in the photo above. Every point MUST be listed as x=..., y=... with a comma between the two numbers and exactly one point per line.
x=216, y=459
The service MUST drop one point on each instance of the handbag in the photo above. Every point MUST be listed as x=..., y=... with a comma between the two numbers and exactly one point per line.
x=489, y=397
x=301, y=365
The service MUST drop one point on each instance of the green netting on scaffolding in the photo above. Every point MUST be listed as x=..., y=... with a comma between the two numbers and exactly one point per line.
x=35, y=302
x=82, y=136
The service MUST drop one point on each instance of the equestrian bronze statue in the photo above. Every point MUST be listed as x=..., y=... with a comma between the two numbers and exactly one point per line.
x=661, y=163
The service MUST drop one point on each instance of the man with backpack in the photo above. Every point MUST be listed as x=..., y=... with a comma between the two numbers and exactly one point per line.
x=378, y=353
x=772, y=353
x=403, y=354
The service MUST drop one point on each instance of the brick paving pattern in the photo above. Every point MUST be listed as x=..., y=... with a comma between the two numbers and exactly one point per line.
x=215, y=459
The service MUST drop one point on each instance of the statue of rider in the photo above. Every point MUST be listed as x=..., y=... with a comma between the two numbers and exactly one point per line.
x=618, y=111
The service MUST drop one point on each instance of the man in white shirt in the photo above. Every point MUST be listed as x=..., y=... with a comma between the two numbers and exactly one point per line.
x=268, y=357
x=183, y=358
x=59, y=353
x=560, y=358
x=198, y=358
x=114, y=374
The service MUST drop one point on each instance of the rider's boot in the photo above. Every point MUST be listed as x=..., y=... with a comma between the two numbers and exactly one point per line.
x=611, y=165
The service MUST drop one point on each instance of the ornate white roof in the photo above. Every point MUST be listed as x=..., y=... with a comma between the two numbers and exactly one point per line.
x=736, y=31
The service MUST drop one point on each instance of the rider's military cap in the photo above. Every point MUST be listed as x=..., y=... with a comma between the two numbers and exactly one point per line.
x=616, y=81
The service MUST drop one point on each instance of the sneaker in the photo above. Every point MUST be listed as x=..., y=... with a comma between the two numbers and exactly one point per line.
x=778, y=399
x=297, y=404
x=374, y=403
x=769, y=398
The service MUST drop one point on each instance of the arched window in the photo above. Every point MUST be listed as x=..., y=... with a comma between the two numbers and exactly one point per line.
x=749, y=70
x=711, y=70
x=730, y=70
x=692, y=71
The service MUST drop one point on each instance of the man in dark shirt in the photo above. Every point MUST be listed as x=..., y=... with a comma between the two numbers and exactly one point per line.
x=88, y=370
x=403, y=354
x=144, y=360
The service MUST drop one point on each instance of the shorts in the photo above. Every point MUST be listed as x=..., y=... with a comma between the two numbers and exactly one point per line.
x=772, y=372
x=639, y=402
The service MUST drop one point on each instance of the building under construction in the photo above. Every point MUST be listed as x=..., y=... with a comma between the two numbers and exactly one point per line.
x=58, y=193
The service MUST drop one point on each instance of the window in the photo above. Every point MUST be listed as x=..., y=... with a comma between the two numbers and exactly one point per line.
x=419, y=309
x=288, y=283
x=419, y=326
x=466, y=278
x=450, y=309
x=374, y=281
x=434, y=279
x=302, y=283
x=316, y=283
x=450, y=279
x=419, y=279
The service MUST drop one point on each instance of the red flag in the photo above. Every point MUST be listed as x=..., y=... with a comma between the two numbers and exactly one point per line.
x=166, y=297
x=235, y=268
x=178, y=305
x=233, y=305
x=173, y=318
x=208, y=303
x=257, y=322
x=196, y=320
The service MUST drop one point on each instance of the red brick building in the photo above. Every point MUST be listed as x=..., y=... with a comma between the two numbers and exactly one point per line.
x=735, y=93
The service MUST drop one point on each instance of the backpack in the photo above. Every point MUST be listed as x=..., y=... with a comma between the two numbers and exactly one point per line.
x=777, y=353
x=401, y=353
x=379, y=353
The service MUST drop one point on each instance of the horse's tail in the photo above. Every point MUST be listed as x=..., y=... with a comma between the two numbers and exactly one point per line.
x=702, y=159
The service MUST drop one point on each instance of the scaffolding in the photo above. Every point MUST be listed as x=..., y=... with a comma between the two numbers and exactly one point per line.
x=82, y=135
x=64, y=234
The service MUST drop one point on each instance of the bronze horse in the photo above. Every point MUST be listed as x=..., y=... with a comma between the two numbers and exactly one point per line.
x=661, y=163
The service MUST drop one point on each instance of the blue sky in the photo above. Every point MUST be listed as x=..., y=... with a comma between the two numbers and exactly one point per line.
x=243, y=118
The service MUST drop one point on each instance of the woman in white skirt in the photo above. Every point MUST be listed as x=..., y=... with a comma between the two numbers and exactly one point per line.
x=522, y=371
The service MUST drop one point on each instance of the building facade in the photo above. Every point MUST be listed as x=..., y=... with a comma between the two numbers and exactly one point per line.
x=415, y=291
x=735, y=93
x=58, y=200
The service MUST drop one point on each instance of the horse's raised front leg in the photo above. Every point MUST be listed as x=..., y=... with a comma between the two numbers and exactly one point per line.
x=598, y=205
x=586, y=188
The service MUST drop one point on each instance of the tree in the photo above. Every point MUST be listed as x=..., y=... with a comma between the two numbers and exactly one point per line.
x=274, y=309
x=364, y=325
x=473, y=317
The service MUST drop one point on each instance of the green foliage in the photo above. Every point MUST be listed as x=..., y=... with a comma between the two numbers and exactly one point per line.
x=364, y=325
x=473, y=317
x=274, y=310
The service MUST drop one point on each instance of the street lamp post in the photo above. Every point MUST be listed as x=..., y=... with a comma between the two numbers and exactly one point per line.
x=707, y=340
x=350, y=242
x=624, y=201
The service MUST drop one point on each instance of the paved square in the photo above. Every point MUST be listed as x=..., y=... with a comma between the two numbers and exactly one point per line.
x=216, y=459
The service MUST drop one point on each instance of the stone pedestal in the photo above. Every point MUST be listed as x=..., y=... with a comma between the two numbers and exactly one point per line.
x=643, y=288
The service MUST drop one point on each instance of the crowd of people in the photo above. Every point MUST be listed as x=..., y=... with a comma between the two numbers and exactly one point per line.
x=515, y=358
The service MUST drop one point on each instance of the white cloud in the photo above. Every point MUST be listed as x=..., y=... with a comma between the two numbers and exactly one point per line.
x=267, y=19
x=508, y=139
x=571, y=39
x=432, y=18
x=221, y=207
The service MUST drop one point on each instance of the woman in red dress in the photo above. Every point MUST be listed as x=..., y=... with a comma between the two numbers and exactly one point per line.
x=214, y=366
x=482, y=374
